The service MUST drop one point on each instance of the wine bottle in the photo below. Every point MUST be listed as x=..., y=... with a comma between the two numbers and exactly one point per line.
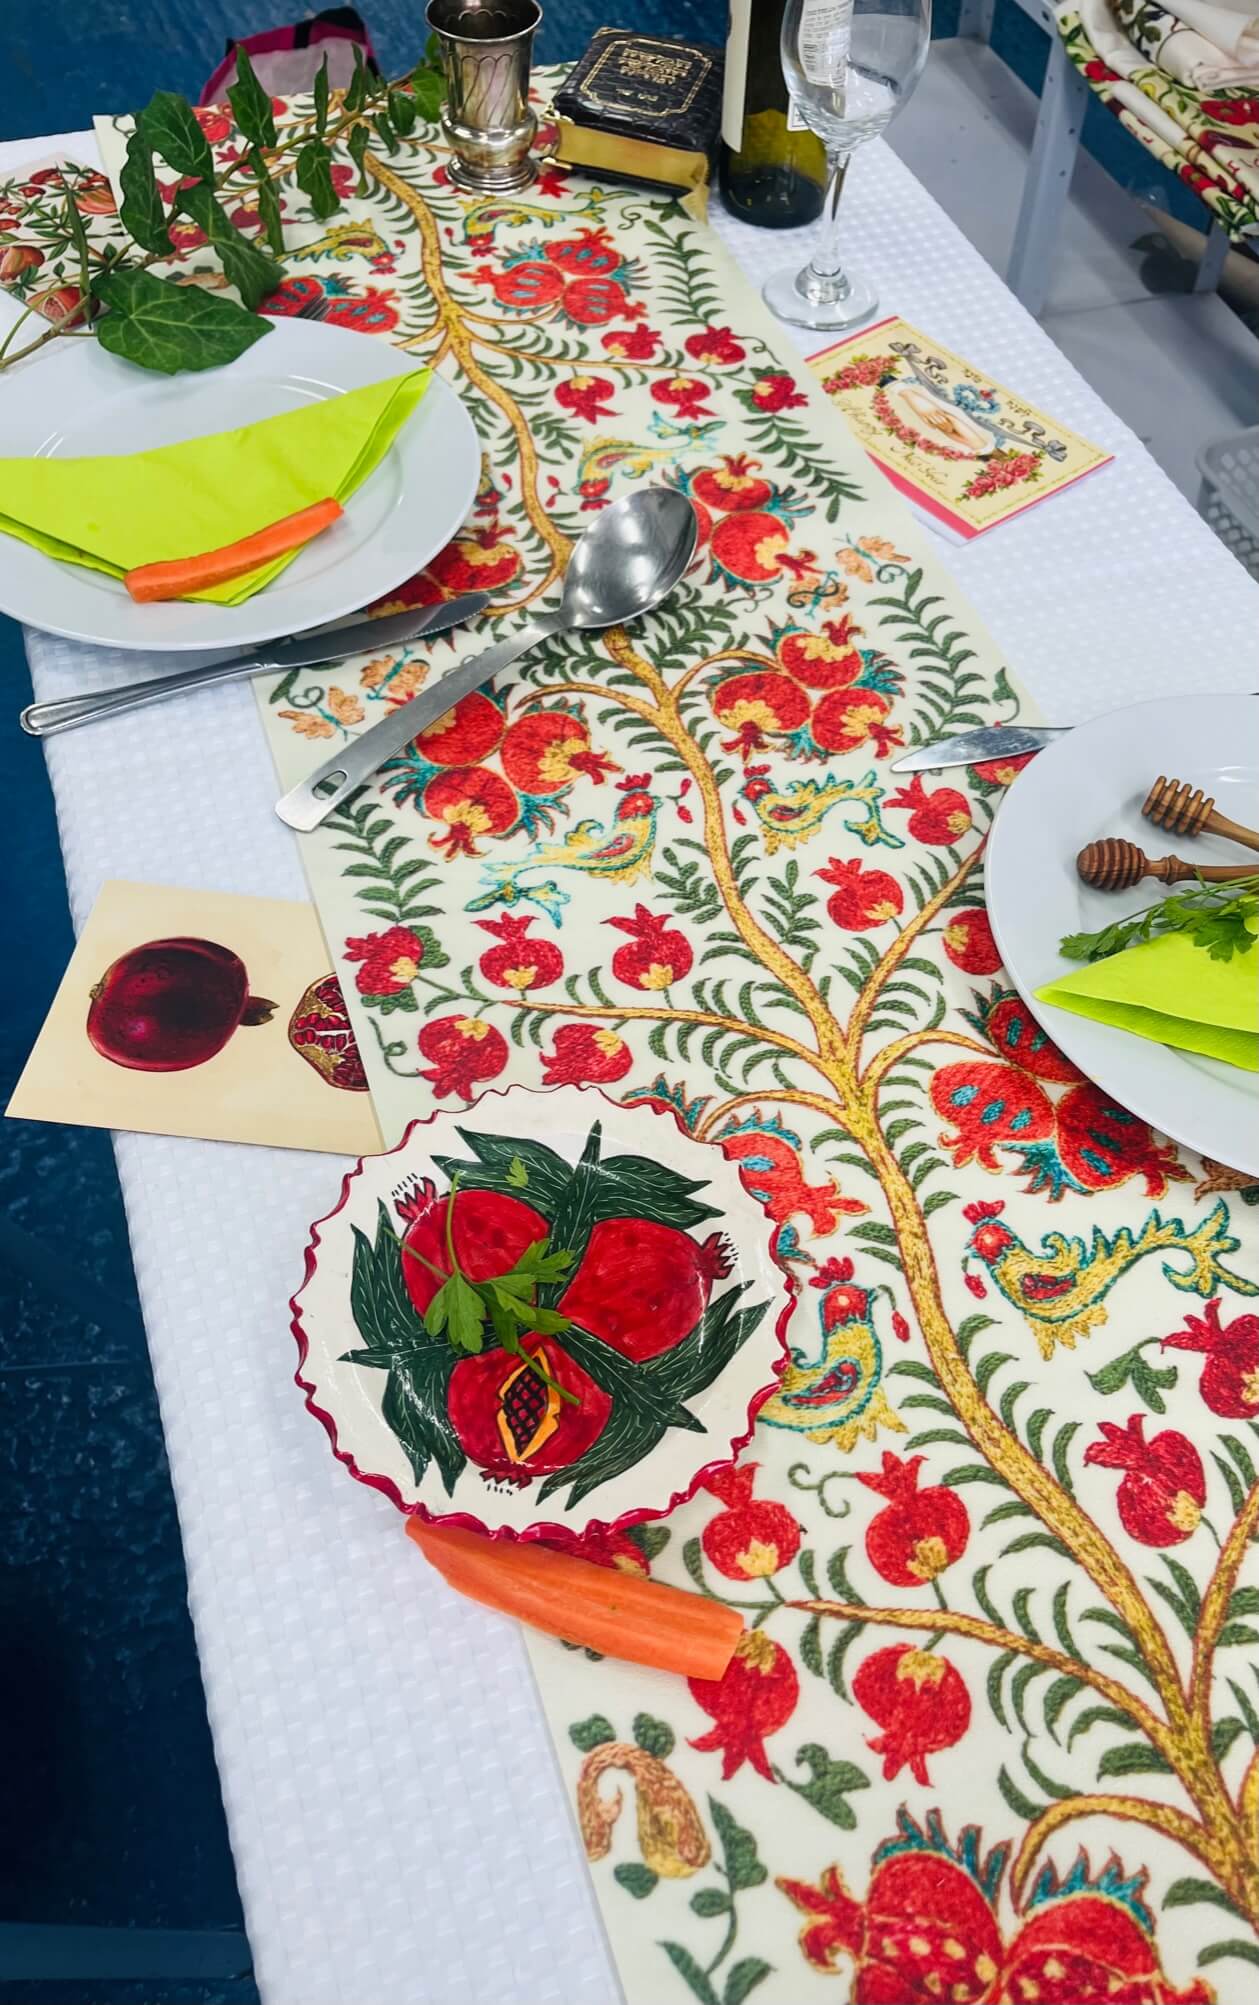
x=773, y=169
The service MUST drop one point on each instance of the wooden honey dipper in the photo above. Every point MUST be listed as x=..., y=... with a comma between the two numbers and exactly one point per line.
x=1113, y=865
x=1185, y=810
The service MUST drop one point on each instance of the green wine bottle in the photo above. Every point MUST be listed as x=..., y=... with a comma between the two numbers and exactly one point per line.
x=773, y=169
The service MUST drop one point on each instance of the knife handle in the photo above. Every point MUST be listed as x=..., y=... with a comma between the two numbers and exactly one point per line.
x=314, y=799
x=44, y=720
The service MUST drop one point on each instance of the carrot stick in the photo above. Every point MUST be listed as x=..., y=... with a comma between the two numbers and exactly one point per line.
x=182, y=575
x=621, y=1614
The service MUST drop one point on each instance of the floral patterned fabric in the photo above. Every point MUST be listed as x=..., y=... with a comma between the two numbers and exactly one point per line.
x=993, y=1730
x=1208, y=137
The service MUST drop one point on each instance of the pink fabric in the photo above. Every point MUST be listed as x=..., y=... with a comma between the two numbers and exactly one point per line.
x=286, y=60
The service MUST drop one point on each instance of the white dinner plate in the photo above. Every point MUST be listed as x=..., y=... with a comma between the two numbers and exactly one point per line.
x=1089, y=784
x=75, y=400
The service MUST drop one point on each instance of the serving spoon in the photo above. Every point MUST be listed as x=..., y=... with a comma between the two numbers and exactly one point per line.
x=630, y=559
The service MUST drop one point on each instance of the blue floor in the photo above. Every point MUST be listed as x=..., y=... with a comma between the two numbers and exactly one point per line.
x=112, y=1818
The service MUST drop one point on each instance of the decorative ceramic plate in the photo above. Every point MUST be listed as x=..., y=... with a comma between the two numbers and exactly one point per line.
x=649, y=1326
x=1089, y=784
x=83, y=401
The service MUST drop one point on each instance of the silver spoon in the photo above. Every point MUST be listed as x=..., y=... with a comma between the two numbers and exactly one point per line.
x=627, y=562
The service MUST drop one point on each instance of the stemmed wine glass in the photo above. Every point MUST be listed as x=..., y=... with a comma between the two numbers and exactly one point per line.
x=849, y=66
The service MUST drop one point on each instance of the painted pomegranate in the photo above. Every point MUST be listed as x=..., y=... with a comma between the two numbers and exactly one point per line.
x=753, y=1536
x=969, y=944
x=464, y=1050
x=642, y=1287
x=471, y=801
x=465, y=735
x=1163, y=1488
x=920, y=1532
x=18, y=258
x=490, y=1232
x=862, y=898
x=1230, y=1377
x=655, y=956
x=509, y=1420
x=846, y=718
x=585, y=1054
x=918, y=1699
x=547, y=750
x=321, y=1033
x=733, y=487
x=755, y=704
x=755, y=1698
x=749, y=545
x=519, y=961
x=991, y=1104
x=1102, y=1145
x=171, y=1004
x=939, y=817
x=824, y=661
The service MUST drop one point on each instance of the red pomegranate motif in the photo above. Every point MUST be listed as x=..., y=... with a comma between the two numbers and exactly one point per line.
x=481, y=560
x=590, y=254
x=464, y=1050
x=390, y=961
x=1102, y=1145
x=991, y=1104
x=862, y=898
x=656, y=954
x=96, y=197
x=754, y=704
x=824, y=661
x=642, y=1287
x=490, y=1232
x=939, y=817
x=519, y=961
x=775, y=392
x=749, y=546
x=633, y=344
x=464, y=735
x=969, y=944
x=171, y=1004
x=584, y=1054
x=1163, y=1488
x=752, y=1537
x=471, y=801
x=846, y=718
x=918, y=1699
x=1020, y=1039
x=714, y=345
x=920, y=1532
x=58, y=302
x=732, y=486
x=1087, y=1948
x=586, y=396
x=526, y=287
x=320, y=1032
x=1230, y=1377
x=510, y=1421
x=16, y=259
x=756, y=1697
x=684, y=394
x=548, y=749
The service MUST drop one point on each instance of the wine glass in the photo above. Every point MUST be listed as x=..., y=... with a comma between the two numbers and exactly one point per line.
x=849, y=66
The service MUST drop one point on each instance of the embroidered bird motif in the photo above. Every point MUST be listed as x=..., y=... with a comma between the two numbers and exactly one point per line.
x=837, y=1397
x=619, y=851
x=791, y=814
x=341, y=241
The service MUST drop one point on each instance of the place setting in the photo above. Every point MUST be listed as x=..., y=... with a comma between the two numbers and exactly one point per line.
x=791, y=1246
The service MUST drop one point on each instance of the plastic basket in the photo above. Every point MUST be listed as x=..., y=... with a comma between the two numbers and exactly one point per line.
x=1229, y=497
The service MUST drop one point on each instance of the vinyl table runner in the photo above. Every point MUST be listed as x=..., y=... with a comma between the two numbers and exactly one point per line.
x=993, y=1732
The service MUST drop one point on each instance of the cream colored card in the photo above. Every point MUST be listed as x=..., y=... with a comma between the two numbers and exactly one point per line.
x=201, y=1013
x=961, y=446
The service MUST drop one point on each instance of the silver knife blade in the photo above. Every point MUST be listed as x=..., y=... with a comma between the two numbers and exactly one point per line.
x=995, y=741
x=310, y=650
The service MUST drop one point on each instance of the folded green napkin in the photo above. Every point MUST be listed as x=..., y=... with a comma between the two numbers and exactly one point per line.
x=1172, y=991
x=126, y=509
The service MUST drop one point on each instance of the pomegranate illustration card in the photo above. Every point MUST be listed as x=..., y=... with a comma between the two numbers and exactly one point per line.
x=963, y=448
x=201, y=1013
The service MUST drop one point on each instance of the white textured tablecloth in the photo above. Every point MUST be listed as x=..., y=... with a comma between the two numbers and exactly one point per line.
x=396, y=1817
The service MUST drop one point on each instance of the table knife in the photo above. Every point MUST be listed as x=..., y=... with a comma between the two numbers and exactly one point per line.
x=995, y=741
x=311, y=650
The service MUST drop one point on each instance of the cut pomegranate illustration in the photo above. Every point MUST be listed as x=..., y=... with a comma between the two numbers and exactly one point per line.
x=171, y=1004
x=642, y=1287
x=320, y=1032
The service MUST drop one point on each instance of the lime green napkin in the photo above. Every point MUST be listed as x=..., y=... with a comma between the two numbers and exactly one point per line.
x=1173, y=992
x=127, y=509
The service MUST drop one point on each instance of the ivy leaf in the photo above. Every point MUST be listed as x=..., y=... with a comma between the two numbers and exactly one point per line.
x=588, y=1734
x=384, y=130
x=653, y=1736
x=357, y=144
x=402, y=111
x=321, y=99
x=170, y=327
x=251, y=105
x=829, y=1785
x=169, y=127
x=359, y=88
x=249, y=269
x=740, y=1856
x=428, y=88
x=314, y=178
x=637, y=1879
x=268, y=201
x=142, y=215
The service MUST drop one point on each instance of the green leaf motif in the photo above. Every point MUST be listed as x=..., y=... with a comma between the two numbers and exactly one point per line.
x=691, y=1972
x=740, y=1857
x=170, y=327
x=710, y=1901
x=314, y=178
x=1188, y=1893
x=170, y=128
x=1130, y=1368
x=1245, y=1952
x=251, y=104
x=588, y=1734
x=637, y=1879
x=743, y=1977
x=142, y=214
x=653, y=1736
x=829, y=1785
x=1134, y=1758
x=414, y=1409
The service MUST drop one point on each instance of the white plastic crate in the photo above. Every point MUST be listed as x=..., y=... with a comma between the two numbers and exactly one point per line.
x=1229, y=496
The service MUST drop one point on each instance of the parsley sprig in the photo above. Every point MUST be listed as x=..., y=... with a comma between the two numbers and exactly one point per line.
x=1217, y=917
x=461, y=1307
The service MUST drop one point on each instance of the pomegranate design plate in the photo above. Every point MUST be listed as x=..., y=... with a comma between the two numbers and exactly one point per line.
x=661, y=1311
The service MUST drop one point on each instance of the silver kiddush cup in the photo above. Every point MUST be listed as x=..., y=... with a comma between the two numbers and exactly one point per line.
x=487, y=48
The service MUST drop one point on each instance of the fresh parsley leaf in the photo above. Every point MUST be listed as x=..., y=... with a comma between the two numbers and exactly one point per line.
x=1220, y=918
x=457, y=1309
x=541, y=1266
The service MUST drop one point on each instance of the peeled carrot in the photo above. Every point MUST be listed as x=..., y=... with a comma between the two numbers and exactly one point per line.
x=599, y=1607
x=182, y=575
